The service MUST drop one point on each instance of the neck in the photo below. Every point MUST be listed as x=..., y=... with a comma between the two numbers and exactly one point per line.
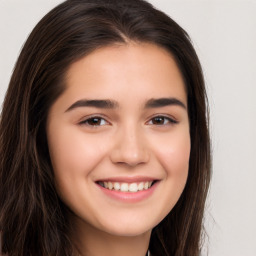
x=94, y=242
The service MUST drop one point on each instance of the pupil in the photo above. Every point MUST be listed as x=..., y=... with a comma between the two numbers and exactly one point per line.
x=158, y=120
x=94, y=121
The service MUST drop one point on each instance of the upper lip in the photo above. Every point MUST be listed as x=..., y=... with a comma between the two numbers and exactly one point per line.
x=128, y=179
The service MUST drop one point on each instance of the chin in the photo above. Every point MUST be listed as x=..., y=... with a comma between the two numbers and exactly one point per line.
x=128, y=232
x=128, y=227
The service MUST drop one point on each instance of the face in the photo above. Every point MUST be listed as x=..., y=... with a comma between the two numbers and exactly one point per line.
x=119, y=138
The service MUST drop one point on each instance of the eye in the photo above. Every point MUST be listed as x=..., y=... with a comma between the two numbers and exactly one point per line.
x=162, y=120
x=94, y=121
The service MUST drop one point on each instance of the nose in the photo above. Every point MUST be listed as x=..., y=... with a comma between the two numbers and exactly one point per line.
x=130, y=148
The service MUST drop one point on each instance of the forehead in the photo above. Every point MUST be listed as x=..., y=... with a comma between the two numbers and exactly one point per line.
x=128, y=69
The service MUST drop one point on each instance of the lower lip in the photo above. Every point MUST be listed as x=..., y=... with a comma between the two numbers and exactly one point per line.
x=129, y=197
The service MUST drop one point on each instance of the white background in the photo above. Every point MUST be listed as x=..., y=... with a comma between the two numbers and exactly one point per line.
x=224, y=35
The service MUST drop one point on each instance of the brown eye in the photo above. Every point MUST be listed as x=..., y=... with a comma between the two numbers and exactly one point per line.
x=158, y=120
x=94, y=121
x=162, y=120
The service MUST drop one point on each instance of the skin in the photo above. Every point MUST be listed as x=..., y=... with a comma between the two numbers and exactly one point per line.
x=124, y=141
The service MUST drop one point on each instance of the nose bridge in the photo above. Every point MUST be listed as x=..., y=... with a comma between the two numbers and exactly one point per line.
x=130, y=145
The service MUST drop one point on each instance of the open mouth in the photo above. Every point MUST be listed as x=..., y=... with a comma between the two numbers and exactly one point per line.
x=126, y=187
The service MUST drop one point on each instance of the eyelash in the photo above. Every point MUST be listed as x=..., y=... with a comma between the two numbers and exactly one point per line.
x=166, y=121
x=94, y=118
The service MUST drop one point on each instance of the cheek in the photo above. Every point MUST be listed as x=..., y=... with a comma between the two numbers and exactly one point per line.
x=69, y=147
x=73, y=154
x=174, y=154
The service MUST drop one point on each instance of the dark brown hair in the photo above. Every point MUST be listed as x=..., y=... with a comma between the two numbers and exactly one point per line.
x=33, y=219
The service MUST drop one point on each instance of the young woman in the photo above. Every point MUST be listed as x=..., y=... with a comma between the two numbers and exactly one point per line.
x=103, y=136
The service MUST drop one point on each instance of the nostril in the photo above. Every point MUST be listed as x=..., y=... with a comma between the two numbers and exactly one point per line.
x=129, y=155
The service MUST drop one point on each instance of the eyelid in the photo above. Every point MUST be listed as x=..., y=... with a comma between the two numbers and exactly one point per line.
x=90, y=117
x=171, y=120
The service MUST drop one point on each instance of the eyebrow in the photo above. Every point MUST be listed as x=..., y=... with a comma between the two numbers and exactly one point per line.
x=110, y=104
x=163, y=102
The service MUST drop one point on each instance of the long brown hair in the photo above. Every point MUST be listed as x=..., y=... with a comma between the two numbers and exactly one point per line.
x=33, y=219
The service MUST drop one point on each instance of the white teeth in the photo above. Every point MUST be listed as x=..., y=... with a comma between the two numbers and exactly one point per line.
x=110, y=185
x=125, y=187
x=141, y=186
x=117, y=186
x=133, y=187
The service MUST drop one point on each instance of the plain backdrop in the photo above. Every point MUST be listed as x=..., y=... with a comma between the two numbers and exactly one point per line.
x=224, y=35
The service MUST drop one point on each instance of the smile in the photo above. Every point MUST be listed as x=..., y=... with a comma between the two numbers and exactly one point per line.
x=126, y=187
